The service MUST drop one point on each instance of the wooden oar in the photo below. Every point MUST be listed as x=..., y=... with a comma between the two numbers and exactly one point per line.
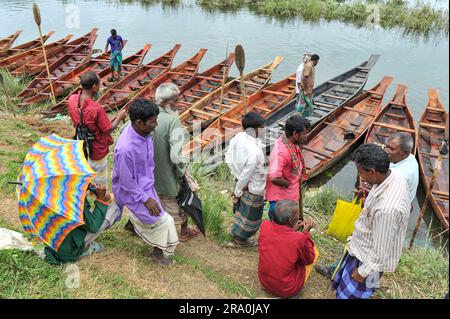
x=240, y=63
x=436, y=169
x=224, y=79
x=37, y=19
x=5, y=91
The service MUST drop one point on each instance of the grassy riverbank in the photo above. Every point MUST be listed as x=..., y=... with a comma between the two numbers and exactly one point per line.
x=205, y=267
x=417, y=19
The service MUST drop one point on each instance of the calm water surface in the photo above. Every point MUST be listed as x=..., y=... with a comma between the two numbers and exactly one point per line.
x=417, y=62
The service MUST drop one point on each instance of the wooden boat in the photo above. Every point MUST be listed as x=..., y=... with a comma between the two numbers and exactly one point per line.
x=7, y=42
x=118, y=94
x=207, y=109
x=64, y=65
x=77, y=48
x=202, y=85
x=19, y=59
x=394, y=117
x=103, y=70
x=338, y=133
x=264, y=102
x=66, y=83
x=25, y=46
x=431, y=135
x=327, y=97
x=179, y=75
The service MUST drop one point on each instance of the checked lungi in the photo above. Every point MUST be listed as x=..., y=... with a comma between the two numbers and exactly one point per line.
x=304, y=105
x=345, y=286
x=115, y=61
x=247, y=215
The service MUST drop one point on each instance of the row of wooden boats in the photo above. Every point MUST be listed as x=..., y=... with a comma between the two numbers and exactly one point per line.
x=344, y=115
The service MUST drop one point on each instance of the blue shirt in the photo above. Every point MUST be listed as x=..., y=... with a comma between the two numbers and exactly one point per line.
x=115, y=43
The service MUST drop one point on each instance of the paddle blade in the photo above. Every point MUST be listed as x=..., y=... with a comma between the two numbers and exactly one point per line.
x=37, y=14
x=239, y=58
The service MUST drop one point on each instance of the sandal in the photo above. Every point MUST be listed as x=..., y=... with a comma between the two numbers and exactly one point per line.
x=192, y=233
x=247, y=244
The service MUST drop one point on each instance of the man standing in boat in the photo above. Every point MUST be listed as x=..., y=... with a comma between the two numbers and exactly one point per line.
x=299, y=74
x=115, y=60
x=286, y=165
x=305, y=100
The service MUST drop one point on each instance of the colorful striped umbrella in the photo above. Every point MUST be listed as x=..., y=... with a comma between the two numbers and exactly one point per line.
x=53, y=183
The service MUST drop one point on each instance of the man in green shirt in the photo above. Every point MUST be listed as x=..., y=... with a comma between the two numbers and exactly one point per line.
x=170, y=165
x=80, y=241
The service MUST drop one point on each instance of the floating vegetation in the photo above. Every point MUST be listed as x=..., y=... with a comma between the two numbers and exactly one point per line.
x=419, y=19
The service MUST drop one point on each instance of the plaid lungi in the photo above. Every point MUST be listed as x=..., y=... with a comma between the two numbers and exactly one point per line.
x=247, y=215
x=345, y=286
x=115, y=61
x=304, y=105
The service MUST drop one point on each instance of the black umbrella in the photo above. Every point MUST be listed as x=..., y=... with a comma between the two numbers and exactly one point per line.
x=191, y=205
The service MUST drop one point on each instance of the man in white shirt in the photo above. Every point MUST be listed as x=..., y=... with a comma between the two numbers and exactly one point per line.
x=399, y=147
x=299, y=73
x=245, y=158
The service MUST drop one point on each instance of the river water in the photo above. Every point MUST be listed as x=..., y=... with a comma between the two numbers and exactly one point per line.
x=418, y=62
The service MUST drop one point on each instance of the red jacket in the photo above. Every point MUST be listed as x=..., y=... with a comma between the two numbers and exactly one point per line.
x=283, y=254
x=94, y=117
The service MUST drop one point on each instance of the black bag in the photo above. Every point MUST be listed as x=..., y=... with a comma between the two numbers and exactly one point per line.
x=83, y=133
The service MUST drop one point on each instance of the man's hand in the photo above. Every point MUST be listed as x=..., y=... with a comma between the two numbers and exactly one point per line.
x=152, y=207
x=308, y=224
x=357, y=277
x=122, y=114
x=234, y=199
x=101, y=193
x=281, y=182
x=362, y=190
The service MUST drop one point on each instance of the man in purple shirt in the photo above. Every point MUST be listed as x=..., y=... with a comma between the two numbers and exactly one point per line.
x=133, y=182
x=115, y=60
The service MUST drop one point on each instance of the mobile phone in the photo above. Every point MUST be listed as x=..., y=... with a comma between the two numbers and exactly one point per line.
x=93, y=189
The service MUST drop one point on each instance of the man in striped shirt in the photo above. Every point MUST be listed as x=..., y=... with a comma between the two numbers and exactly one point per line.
x=376, y=243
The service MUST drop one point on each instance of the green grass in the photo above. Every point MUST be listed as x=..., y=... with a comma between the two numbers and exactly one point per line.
x=420, y=19
x=230, y=286
x=24, y=275
x=421, y=274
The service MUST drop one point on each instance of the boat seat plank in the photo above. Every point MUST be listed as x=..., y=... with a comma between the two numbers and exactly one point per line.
x=432, y=155
x=394, y=127
x=209, y=78
x=435, y=109
x=341, y=127
x=331, y=107
x=345, y=84
x=441, y=127
x=358, y=111
x=401, y=117
x=334, y=96
x=313, y=150
x=276, y=93
x=441, y=193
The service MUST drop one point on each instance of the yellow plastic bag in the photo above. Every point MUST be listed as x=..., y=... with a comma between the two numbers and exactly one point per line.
x=344, y=218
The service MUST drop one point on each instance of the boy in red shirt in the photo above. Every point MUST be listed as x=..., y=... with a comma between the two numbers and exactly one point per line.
x=95, y=118
x=286, y=256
